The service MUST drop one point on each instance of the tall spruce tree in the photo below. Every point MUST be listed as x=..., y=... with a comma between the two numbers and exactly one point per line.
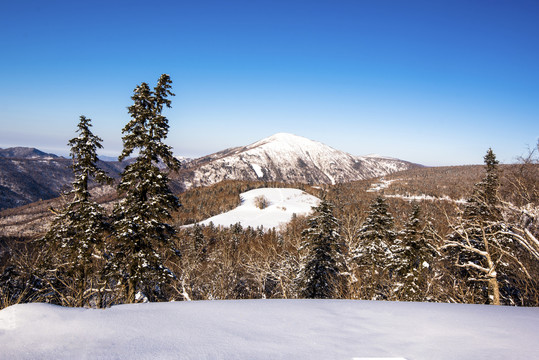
x=76, y=237
x=323, y=266
x=414, y=252
x=140, y=227
x=484, y=203
x=373, y=257
x=481, y=245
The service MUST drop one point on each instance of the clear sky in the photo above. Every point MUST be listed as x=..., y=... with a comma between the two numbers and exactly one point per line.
x=433, y=82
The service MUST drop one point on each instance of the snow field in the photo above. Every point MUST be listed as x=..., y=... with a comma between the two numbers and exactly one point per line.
x=283, y=204
x=270, y=329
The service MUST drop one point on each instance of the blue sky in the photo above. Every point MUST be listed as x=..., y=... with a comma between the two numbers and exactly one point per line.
x=434, y=82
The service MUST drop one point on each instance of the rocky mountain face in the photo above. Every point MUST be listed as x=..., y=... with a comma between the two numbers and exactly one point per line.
x=28, y=175
x=287, y=158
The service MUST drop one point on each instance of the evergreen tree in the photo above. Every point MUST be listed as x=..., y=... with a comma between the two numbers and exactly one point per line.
x=84, y=155
x=322, y=267
x=76, y=237
x=414, y=257
x=481, y=245
x=140, y=226
x=373, y=256
x=484, y=203
x=198, y=240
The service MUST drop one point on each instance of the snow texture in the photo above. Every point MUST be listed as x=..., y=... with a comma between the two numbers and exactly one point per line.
x=258, y=170
x=283, y=204
x=270, y=329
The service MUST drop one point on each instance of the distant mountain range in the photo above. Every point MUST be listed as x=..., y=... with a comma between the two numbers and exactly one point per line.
x=25, y=153
x=28, y=175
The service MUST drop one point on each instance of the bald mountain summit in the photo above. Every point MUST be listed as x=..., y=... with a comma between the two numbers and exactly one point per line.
x=287, y=158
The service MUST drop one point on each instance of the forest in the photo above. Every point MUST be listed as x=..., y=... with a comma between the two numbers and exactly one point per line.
x=450, y=234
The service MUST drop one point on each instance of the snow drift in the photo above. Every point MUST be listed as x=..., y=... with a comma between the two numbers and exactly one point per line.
x=270, y=329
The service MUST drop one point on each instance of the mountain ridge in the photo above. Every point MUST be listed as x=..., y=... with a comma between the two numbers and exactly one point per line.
x=287, y=158
x=21, y=152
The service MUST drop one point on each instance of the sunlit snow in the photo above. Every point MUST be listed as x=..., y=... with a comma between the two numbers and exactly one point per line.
x=283, y=204
x=270, y=329
x=258, y=170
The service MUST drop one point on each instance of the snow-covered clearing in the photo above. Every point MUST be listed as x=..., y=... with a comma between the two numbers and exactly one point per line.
x=382, y=184
x=270, y=329
x=426, y=198
x=283, y=204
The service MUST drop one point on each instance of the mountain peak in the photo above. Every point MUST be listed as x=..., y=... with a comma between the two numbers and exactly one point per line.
x=283, y=138
x=291, y=145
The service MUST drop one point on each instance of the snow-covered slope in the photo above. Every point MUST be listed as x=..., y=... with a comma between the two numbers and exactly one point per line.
x=281, y=205
x=288, y=158
x=270, y=329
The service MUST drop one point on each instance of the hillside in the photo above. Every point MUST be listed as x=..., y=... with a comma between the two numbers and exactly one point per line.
x=201, y=203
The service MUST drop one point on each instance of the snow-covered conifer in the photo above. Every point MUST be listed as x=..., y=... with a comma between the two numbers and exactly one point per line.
x=484, y=202
x=414, y=254
x=373, y=257
x=75, y=237
x=323, y=268
x=483, y=246
x=147, y=203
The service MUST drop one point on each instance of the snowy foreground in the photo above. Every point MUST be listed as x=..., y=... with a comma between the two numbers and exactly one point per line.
x=270, y=329
x=283, y=204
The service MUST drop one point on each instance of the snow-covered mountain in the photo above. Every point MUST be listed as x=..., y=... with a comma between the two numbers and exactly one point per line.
x=288, y=158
